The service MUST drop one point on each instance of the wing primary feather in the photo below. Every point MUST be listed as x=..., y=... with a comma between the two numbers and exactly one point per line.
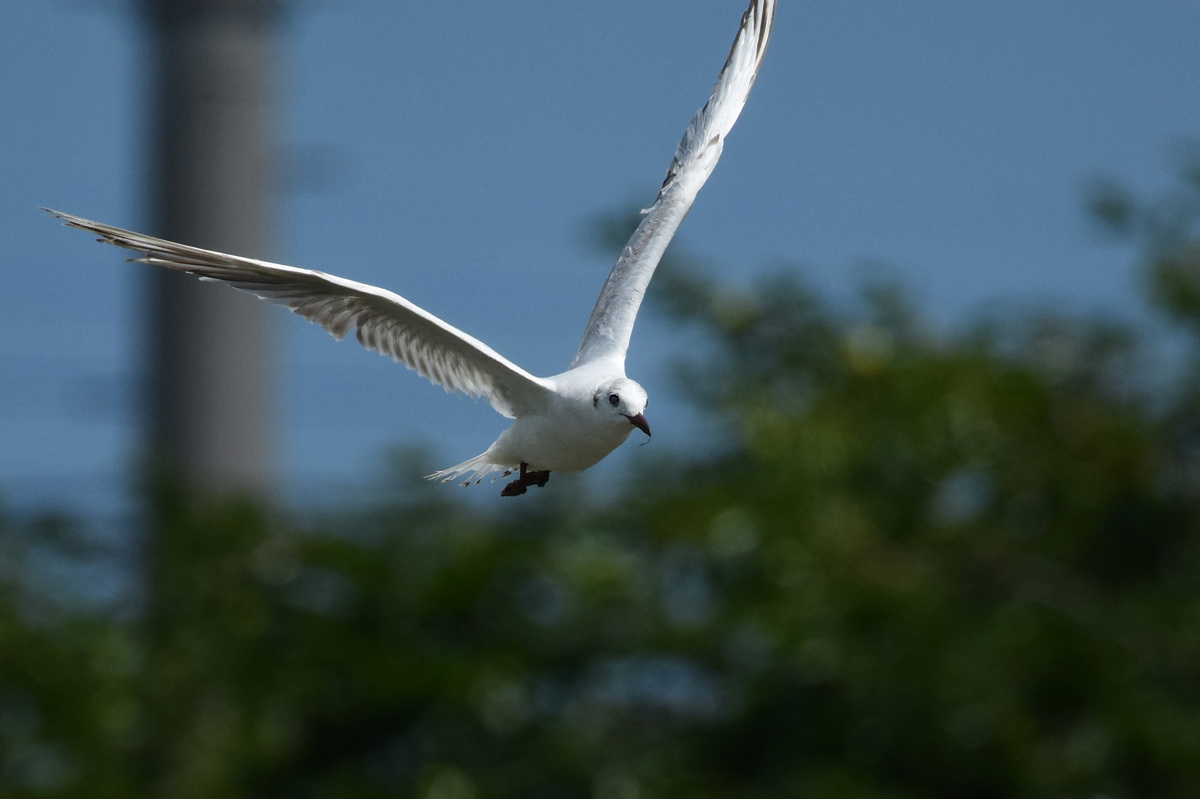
x=383, y=321
x=610, y=325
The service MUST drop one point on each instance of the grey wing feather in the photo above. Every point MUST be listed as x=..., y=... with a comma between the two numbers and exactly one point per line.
x=611, y=323
x=384, y=322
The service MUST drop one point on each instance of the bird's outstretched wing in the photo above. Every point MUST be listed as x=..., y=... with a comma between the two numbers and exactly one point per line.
x=611, y=323
x=384, y=322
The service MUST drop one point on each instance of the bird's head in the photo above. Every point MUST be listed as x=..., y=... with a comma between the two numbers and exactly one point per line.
x=623, y=399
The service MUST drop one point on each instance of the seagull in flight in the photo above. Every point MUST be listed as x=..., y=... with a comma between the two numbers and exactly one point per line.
x=567, y=422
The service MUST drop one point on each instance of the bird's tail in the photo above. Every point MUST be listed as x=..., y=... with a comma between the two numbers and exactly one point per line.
x=473, y=470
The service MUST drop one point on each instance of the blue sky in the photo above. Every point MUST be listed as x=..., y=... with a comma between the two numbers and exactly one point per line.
x=464, y=147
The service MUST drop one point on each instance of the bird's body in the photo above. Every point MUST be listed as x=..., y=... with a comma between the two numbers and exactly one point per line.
x=573, y=433
x=567, y=422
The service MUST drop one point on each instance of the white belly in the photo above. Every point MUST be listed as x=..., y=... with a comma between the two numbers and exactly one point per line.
x=574, y=443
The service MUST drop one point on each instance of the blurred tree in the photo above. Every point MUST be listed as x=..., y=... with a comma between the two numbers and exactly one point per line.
x=1167, y=230
x=915, y=566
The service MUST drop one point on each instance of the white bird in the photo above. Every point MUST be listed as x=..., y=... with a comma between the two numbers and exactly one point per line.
x=567, y=422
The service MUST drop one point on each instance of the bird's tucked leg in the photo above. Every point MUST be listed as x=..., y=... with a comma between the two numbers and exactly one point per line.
x=519, y=486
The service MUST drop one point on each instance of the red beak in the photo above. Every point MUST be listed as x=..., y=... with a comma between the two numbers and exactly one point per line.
x=640, y=423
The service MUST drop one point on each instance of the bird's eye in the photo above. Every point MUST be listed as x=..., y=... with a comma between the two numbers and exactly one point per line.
x=614, y=400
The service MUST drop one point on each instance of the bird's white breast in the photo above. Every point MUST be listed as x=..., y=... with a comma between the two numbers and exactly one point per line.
x=569, y=438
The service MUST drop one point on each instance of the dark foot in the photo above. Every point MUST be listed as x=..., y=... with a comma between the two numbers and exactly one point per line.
x=518, y=487
x=514, y=489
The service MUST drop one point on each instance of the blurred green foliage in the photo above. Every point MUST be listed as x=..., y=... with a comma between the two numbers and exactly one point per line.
x=908, y=566
x=1168, y=230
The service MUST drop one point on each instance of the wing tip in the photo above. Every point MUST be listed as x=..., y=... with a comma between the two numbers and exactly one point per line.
x=69, y=220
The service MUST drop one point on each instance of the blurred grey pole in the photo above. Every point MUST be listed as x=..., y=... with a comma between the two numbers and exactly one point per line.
x=212, y=186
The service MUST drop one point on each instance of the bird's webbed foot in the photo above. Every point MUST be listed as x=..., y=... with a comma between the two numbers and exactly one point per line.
x=519, y=486
x=514, y=489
